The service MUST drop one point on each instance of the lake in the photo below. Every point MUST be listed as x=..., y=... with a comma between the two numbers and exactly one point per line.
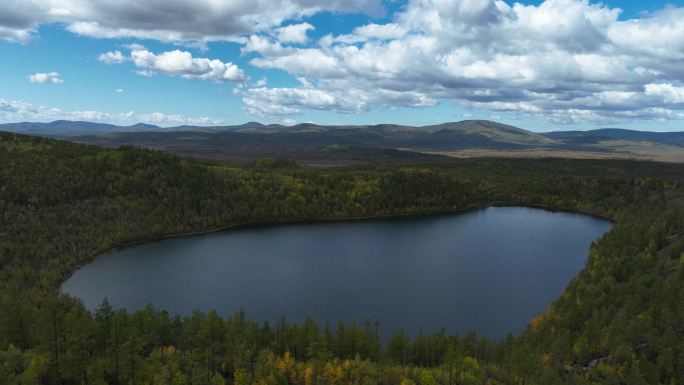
x=488, y=270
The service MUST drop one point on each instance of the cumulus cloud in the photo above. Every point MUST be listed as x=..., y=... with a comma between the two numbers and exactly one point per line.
x=284, y=101
x=287, y=101
x=490, y=55
x=114, y=57
x=295, y=33
x=669, y=93
x=16, y=111
x=565, y=60
x=88, y=115
x=377, y=31
x=176, y=63
x=16, y=35
x=45, y=78
x=15, y=107
x=19, y=19
x=165, y=20
x=181, y=63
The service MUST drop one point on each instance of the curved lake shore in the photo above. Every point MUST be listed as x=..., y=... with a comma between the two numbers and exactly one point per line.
x=488, y=270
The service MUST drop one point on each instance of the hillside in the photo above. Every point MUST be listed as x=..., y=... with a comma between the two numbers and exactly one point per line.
x=673, y=138
x=70, y=128
x=319, y=145
x=493, y=131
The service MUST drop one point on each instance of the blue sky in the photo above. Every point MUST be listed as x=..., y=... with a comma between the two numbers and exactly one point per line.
x=542, y=65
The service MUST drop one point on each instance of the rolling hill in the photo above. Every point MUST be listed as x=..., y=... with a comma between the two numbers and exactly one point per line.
x=70, y=128
x=676, y=138
x=340, y=145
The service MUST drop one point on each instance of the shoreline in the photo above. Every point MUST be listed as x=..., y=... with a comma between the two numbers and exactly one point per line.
x=546, y=207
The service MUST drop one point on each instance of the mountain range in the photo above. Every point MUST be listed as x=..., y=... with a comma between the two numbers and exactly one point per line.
x=335, y=145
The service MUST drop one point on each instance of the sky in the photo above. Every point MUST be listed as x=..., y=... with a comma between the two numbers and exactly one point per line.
x=541, y=65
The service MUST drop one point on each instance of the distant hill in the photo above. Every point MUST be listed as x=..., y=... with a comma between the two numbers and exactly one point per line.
x=326, y=144
x=676, y=138
x=69, y=127
x=493, y=131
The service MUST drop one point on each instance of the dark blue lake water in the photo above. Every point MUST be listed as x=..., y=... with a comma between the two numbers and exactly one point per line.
x=488, y=270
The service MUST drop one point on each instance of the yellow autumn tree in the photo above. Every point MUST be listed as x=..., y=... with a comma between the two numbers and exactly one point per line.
x=332, y=373
x=308, y=374
x=285, y=364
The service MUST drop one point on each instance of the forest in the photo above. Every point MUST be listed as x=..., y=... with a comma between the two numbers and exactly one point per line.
x=620, y=321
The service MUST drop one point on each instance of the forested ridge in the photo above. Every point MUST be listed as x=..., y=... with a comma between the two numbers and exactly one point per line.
x=620, y=321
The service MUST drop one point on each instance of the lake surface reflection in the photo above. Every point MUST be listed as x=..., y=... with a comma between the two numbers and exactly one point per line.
x=489, y=270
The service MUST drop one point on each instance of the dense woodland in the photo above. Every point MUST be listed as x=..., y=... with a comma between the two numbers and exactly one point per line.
x=620, y=321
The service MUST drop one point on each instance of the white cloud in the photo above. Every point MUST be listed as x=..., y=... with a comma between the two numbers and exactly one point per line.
x=19, y=19
x=91, y=116
x=119, y=90
x=669, y=93
x=377, y=31
x=16, y=35
x=165, y=20
x=17, y=111
x=295, y=33
x=181, y=63
x=15, y=107
x=162, y=119
x=657, y=36
x=45, y=78
x=284, y=101
x=566, y=60
x=176, y=63
x=488, y=54
x=134, y=47
x=145, y=73
x=114, y=57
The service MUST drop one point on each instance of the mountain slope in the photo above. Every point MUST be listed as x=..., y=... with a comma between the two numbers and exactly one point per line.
x=676, y=138
x=312, y=143
x=69, y=127
x=315, y=143
x=493, y=131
